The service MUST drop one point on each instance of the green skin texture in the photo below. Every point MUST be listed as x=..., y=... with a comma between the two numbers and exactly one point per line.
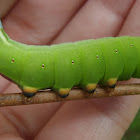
x=69, y=64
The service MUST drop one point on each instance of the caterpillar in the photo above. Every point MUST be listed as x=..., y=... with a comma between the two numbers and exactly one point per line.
x=60, y=67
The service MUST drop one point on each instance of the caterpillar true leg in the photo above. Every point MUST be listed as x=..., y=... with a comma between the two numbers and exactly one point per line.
x=29, y=94
x=112, y=82
x=29, y=91
x=90, y=88
x=62, y=92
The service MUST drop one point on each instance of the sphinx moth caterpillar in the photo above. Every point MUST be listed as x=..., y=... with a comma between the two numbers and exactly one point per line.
x=61, y=67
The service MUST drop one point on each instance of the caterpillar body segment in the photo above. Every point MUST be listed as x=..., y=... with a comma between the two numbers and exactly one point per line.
x=61, y=67
x=136, y=44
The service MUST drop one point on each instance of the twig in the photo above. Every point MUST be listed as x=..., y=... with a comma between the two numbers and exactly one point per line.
x=14, y=99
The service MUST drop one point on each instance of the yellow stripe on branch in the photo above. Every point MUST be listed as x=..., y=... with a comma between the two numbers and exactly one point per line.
x=14, y=99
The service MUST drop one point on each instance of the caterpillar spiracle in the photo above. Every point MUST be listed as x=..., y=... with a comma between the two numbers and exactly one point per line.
x=60, y=67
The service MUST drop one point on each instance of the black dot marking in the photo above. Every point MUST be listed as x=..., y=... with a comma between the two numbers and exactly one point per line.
x=90, y=91
x=112, y=86
x=29, y=94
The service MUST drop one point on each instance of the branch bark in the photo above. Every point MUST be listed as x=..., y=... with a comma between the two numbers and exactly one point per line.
x=15, y=99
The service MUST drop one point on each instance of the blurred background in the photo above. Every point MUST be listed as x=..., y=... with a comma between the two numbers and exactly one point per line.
x=133, y=133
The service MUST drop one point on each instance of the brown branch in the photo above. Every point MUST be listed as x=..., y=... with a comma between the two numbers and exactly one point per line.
x=14, y=99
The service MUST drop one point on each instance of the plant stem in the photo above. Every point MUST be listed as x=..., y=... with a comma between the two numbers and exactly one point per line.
x=14, y=99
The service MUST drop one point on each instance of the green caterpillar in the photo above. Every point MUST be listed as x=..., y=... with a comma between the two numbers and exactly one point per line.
x=61, y=67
